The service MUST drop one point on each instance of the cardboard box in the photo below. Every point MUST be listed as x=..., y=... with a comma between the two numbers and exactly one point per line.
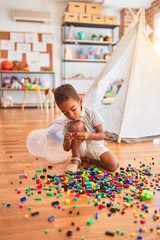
x=97, y=19
x=85, y=18
x=76, y=7
x=70, y=17
x=111, y=20
x=94, y=8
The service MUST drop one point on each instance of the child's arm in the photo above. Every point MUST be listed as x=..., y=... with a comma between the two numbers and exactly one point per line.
x=98, y=135
x=67, y=141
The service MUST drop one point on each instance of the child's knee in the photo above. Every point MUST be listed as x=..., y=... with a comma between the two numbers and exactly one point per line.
x=110, y=161
x=113, y=167
x=77, y=126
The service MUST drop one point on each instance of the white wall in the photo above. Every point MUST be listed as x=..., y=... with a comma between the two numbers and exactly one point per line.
x=56, y=9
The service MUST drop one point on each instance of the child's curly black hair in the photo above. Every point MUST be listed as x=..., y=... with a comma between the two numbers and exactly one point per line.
x=64, y=93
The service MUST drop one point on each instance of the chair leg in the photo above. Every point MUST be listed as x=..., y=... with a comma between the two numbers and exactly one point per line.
x=52, y=107
x=46, y=106
x=36, y=92
x=24, y=99
x=39, y=100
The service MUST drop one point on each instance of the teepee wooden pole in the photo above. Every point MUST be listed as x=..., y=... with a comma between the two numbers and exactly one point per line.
x=133, y=14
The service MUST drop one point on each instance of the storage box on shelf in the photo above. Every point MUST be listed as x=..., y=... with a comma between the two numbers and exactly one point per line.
x=85, y=18
x=70, y=17
x=110, y=20
x=94, y=8
x=76, y=7
x=87, y=13
x=97, y=19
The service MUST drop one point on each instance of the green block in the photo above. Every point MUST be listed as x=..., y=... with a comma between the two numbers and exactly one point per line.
x=133, y=190
x=59, y=195
x=50, y=194
x=46, y=188
x=28, y=189
x=29, y=194
x=75, y=199
x=35, y=175
x=46, y=231
x=75, y=206
x=38, y=198
x=90, y=221
x=68, y=175
x=38, y=170
x=90, y=201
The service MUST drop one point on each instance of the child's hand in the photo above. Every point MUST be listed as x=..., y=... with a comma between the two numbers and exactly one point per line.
x=68, y=137
x=82, y=135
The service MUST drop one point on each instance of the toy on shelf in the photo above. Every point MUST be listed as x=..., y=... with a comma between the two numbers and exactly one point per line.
x=70, y=33
x=82, y=35
x=6, y=82
x=106, y=56
x=7, y=101
x=15, y=84
x=47, y=143
x=27, y=83
x=97, y=54
x=15, y=66
x=90, y=54
x=67, y=54
x=78, y=76
x=82, y=53
x=26, y=68
x=107, y=39
x=6, y=65
x=37, y=81
x=94, y=37
x=101, y=37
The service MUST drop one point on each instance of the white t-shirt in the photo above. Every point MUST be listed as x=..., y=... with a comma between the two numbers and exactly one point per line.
x=90, y=118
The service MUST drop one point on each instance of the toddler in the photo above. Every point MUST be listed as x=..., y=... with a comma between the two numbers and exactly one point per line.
x=83, y=131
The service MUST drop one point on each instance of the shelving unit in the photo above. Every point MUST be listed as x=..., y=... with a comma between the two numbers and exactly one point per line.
x=78, y=42
x=47, y=80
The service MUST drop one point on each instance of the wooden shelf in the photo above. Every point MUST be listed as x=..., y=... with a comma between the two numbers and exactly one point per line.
x=90, y=25
x=19, y=105
x=86, y=60
x=87, y=42
x=22, y=89
x=80, y=79
x=26, y=72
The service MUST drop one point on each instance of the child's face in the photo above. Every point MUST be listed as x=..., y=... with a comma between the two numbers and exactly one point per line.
x=71, y=108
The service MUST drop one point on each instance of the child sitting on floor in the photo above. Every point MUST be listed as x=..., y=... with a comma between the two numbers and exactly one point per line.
x=83, y=131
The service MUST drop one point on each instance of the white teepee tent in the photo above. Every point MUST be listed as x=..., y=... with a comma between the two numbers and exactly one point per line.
x=135, y=113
